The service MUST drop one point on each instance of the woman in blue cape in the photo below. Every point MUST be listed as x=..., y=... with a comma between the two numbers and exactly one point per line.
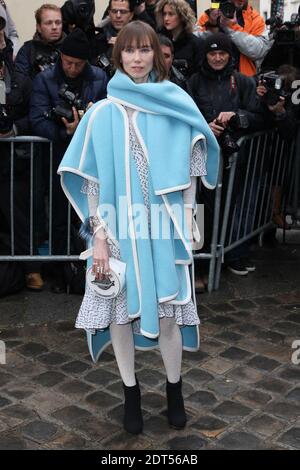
x=131, y=170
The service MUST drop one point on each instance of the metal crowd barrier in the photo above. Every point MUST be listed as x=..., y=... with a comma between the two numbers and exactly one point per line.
x=292, y=200
x=32, y=158
x=265, y=161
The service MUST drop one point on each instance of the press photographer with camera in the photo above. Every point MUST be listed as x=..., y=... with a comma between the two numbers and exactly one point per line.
x=42, y=51
x=244, y=26
x=275, y=90
x=120, y=13
x=228, y=101
x=57, y=94
x=117, y=15
x=14, y=102
x=286, y=42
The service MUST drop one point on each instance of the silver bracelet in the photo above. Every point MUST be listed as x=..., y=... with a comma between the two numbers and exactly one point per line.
x=95, y=222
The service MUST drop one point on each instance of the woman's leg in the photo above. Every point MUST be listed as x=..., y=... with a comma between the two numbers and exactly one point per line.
x=123, y=346
x=170, y=344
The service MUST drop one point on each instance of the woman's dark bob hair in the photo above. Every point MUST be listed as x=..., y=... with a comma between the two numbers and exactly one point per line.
x=140, y=34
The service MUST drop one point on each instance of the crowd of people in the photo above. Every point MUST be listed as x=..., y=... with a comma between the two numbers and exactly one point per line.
x=137, y=109
x=52, y=79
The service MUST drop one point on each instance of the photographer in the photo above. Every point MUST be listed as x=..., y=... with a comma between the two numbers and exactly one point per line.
x=54, y=114
x=43, y=50
x=120, y=13
x=14, y=100
x=228, y=101
x=244, y=26
x=117, y=15
x=275, y=91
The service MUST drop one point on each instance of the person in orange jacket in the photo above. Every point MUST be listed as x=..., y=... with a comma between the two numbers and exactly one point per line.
x=246, y=29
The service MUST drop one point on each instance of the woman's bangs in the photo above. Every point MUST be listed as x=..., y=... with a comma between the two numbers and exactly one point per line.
x=137, y=39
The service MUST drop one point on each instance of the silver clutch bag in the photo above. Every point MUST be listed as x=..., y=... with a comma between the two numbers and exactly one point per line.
x=113, y=284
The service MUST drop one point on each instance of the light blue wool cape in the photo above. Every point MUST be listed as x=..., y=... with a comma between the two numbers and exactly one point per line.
x=168, y=124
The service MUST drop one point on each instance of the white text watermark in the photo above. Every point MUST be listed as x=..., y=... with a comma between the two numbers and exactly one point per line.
x=296, y=354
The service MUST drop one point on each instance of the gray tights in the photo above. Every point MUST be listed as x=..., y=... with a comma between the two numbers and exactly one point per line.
x=170, y=344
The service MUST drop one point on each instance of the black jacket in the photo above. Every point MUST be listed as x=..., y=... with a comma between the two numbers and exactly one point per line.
x=16, y=109
x=227, y=90
x=45, y=96
x=187, y=47
x=287, y=123
x=100, y=45
x=26, y=63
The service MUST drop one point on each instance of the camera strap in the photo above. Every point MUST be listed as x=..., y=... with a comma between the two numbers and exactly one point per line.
x=233, y=84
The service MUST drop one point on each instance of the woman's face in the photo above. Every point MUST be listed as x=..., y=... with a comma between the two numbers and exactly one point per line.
x=138, y=61
x=171, y=19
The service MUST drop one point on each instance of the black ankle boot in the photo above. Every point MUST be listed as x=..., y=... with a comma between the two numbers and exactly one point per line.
x=176, y=411
x=133, y=419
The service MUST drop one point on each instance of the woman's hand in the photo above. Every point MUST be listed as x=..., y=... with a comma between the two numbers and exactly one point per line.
x=101, y=255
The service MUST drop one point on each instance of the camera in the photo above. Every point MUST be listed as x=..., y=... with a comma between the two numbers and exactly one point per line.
x=274, y=84
x=286, y=44
x=226, y=7
x=285, y=32
x=136, y=3
x=6, y=123
x=64, y=109
x=43, y=62
x=181, y=65
x=227, y=141
x=79, y=13
x=104, y=63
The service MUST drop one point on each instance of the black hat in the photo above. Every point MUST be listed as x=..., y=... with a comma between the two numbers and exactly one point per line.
x=218, y=42
x=76, y=45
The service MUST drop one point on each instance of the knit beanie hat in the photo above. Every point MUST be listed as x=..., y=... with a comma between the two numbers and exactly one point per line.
x=218, y=42
x=76, y=45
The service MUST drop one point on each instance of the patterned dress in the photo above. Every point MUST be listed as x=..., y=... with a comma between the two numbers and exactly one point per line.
x=97, y=313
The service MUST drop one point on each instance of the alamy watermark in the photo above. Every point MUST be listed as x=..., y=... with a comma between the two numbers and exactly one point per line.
x=296, y=93
x=296, y=354
x=141, y=222
x=2, y=353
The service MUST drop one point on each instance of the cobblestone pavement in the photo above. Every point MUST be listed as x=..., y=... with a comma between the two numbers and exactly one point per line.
x=241, y=389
